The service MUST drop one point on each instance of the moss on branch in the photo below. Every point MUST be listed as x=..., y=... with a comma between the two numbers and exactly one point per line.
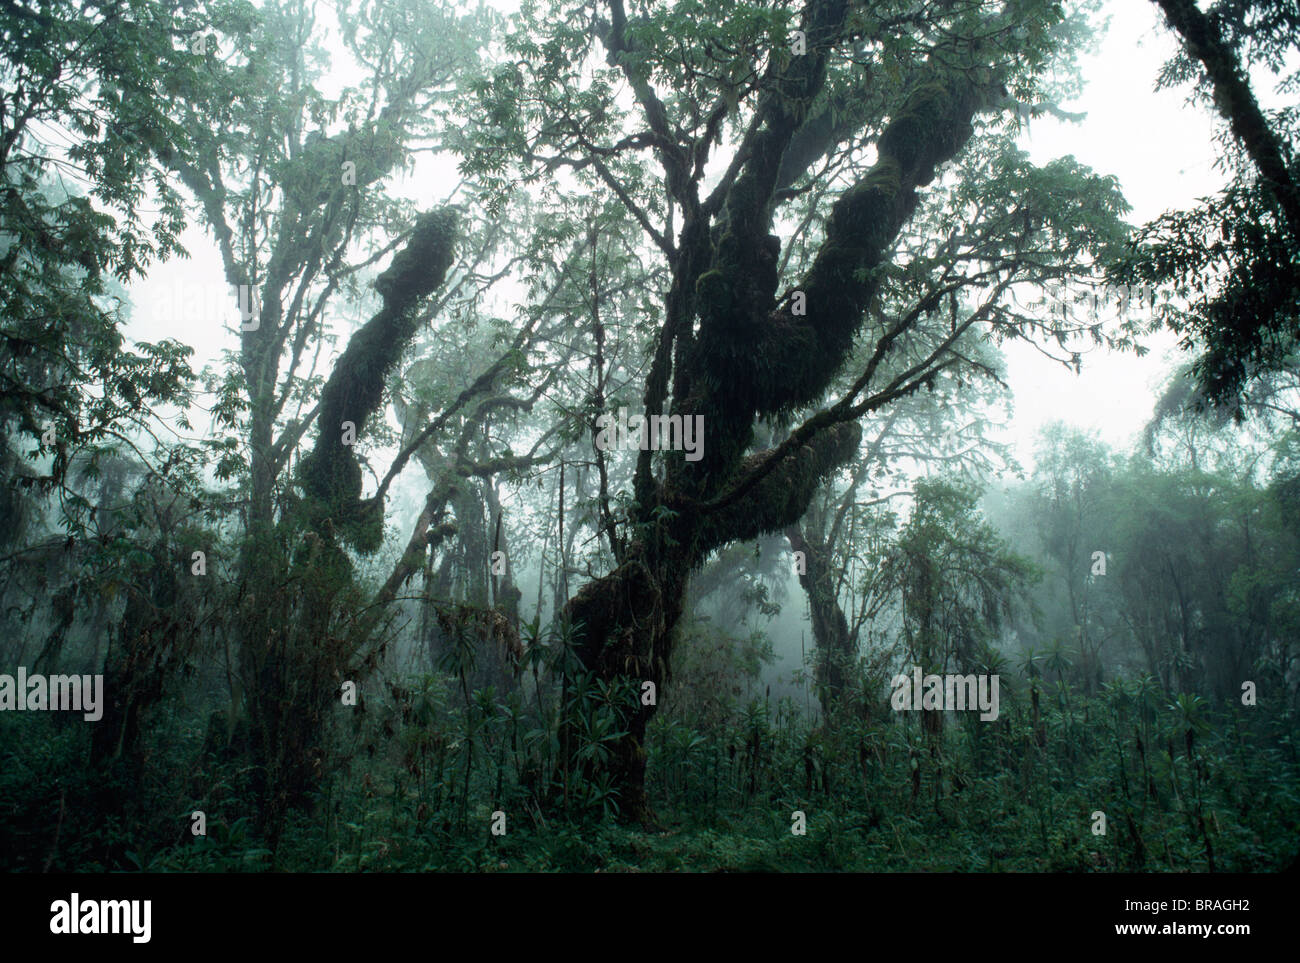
x=331, y=474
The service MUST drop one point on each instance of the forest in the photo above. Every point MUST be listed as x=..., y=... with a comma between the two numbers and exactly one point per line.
x=556, y=436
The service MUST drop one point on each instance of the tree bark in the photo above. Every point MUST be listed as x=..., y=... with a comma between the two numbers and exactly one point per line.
x=830, y=627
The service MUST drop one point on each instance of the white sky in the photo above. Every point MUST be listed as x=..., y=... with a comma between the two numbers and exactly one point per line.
x=1160, y=149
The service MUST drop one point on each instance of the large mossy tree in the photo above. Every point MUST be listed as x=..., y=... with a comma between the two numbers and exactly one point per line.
x=707, y=121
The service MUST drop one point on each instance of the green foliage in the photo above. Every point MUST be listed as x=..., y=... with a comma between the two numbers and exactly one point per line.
x=957, y=579
x=77, y=226
x=1171, y=770
x=1232, y=274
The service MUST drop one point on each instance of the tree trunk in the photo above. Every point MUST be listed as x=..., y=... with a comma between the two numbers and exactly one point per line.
x=835, y=647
